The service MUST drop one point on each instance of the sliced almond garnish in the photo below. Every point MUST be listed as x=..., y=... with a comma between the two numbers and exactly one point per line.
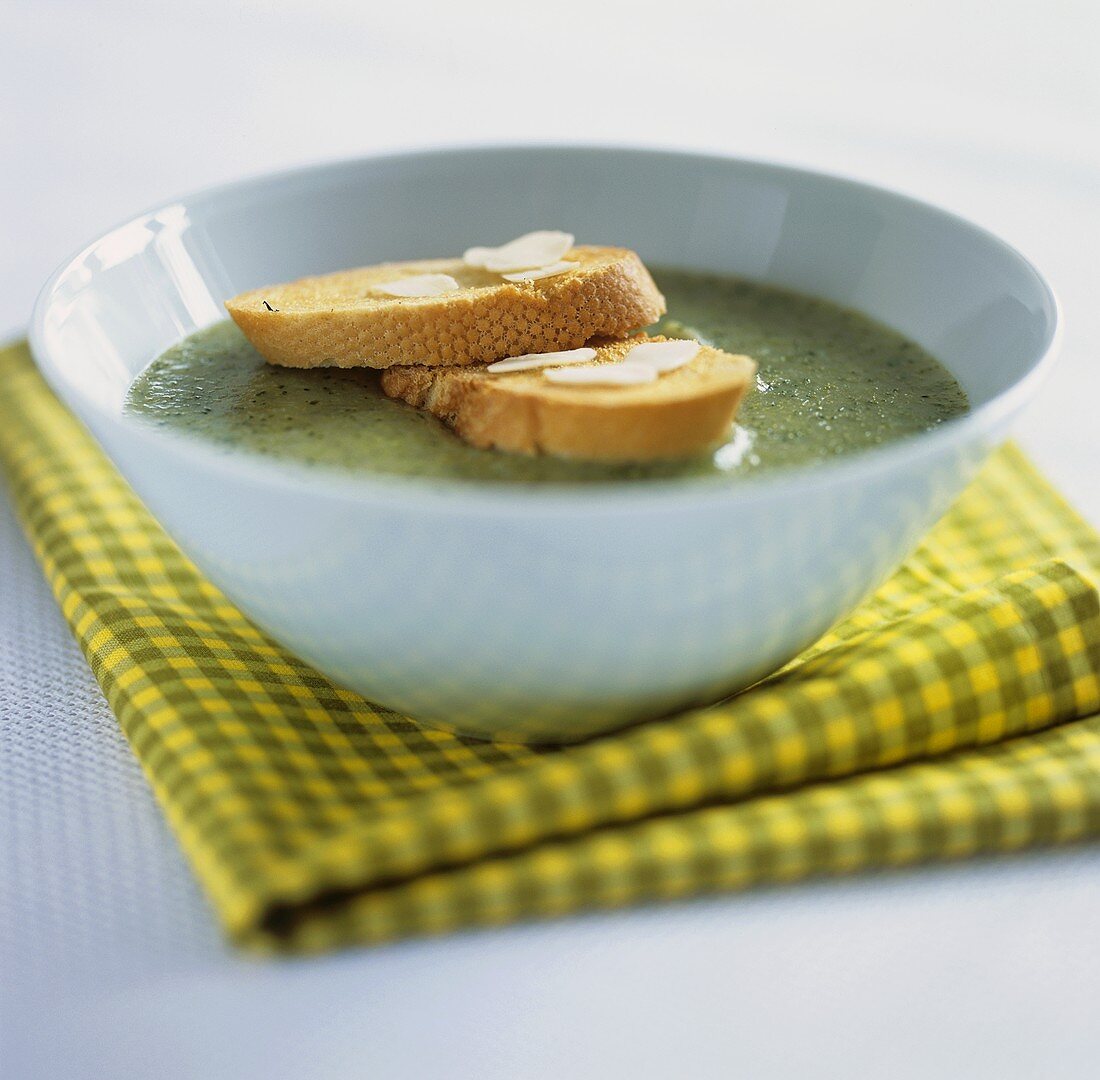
x=543, y=272
x=642, y=364
x=527, y=252
x=663, y=355
x=621, y=374
x=529, y=361
x=419, y=285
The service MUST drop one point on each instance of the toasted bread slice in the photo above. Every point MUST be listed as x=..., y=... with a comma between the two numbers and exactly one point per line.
x=343, y=320
x=684, y=412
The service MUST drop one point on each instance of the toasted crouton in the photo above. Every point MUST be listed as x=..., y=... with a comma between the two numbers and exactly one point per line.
x=346, y=320
x=683, y=412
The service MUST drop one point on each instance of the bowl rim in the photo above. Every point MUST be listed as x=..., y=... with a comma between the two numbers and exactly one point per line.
x=473, y=495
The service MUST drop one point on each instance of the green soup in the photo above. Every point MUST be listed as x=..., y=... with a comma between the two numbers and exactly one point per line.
x=830, y=382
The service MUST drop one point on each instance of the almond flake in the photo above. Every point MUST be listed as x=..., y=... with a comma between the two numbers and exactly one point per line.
x=529, y=361
x=547, y=271
x=621, y=374
x=663, y=355
x=528, y=252
x=419, y=285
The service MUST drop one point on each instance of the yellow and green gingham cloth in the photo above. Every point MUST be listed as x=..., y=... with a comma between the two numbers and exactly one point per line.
x=954, y=713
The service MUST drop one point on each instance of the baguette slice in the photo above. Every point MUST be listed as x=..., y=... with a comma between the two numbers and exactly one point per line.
x=684, y=412
x=341, y=320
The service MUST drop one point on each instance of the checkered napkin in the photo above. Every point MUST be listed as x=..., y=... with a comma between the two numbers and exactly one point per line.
x=952, y=714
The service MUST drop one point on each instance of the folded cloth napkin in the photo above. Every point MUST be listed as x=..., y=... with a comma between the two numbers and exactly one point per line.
x=950, y=715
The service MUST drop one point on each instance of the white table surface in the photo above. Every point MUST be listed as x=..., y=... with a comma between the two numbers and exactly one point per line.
x=111, y=964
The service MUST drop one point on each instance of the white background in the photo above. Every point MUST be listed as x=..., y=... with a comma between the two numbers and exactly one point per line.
x=107, y=106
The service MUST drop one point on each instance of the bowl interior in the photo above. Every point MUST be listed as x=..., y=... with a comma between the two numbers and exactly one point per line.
x=958, y=291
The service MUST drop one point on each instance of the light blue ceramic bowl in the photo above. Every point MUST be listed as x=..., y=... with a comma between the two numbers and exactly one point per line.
x=530, y=613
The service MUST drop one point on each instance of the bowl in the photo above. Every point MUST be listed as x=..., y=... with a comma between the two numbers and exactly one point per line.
x=547, y=614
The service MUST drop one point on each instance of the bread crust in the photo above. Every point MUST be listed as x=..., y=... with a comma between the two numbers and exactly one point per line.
x=684, y=412
x=337, y=320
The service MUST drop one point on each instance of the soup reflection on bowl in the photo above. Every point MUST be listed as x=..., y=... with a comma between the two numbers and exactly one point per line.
x=535, y=598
